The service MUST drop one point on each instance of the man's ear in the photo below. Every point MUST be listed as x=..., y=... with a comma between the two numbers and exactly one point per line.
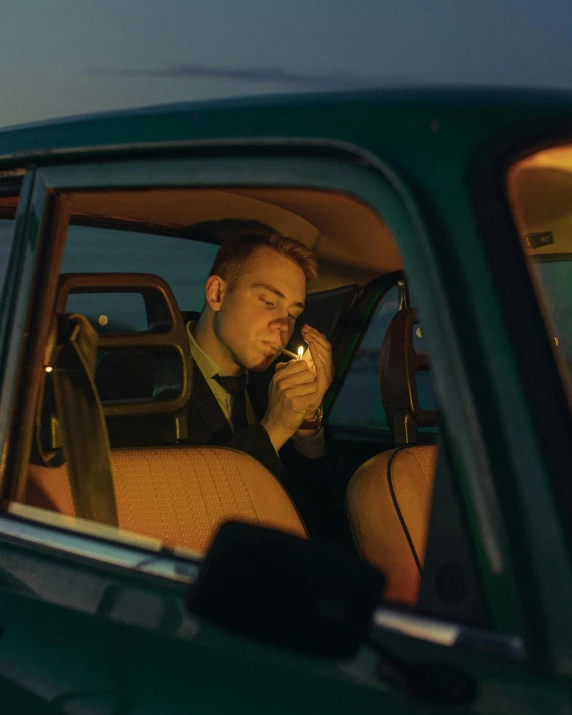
x=215, y=290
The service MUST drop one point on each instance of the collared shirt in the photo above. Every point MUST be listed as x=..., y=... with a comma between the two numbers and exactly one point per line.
x=312, y=447
x=210, y=369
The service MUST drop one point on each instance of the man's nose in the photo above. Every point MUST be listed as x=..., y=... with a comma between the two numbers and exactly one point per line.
x=280, y=323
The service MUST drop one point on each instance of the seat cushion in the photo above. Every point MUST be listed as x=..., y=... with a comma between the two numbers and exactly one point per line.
x=375, y=521
x=180, y=495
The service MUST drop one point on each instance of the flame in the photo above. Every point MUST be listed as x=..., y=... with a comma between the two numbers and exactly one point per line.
x=300, y=352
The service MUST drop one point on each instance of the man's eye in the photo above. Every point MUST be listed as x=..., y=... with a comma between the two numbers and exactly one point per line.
x=267, y=302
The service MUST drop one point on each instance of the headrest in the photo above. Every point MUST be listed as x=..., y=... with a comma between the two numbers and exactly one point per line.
x=160, y=355
x=398, y=367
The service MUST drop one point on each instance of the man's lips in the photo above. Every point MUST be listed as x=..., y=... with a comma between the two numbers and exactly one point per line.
x=272, y=346
x=277, y=348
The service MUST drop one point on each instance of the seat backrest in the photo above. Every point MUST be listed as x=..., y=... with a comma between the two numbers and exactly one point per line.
x=399, y=364
x=389, y=505
x=180, y=495
x=389, y=497
x=143, y=378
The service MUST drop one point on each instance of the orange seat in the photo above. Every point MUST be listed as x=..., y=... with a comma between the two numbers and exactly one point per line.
x=394, y=483
x=180, y=495
x=389, y=497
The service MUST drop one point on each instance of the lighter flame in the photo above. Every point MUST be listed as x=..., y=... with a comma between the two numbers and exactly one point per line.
x=49, y=369
x=300, y=352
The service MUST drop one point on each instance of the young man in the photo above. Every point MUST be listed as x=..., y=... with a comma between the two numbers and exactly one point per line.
x=254, y=294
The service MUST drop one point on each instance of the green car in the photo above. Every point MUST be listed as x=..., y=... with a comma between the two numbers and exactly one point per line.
x=424, y=563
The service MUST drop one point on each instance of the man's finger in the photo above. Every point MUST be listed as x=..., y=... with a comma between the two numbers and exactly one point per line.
x=324, y=368
x=308, y=388
x=293, y=366
x=320, y=361
x=310, y=334
x=300, y=378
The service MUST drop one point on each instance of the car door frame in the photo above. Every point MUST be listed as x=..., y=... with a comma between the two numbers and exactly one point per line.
x=328, y=167
x=549, y=409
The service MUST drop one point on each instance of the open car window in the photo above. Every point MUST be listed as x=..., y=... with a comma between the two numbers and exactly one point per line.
x=358, y=403
x=184, y=264
x=133, y=278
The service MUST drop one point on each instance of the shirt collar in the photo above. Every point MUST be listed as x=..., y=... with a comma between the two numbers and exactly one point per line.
x=206, y=364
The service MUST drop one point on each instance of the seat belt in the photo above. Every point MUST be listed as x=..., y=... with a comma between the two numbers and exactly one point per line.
x=81, y=419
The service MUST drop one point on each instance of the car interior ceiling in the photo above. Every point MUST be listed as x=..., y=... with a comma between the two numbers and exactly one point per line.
x=140, y=386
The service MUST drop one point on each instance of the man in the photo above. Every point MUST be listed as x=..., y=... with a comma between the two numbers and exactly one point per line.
x=254, y=294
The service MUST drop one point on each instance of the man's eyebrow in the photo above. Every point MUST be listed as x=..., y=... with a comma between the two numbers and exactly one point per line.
x=278, y=293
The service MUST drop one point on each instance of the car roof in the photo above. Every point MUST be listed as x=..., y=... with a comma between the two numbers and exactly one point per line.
x=370, y=118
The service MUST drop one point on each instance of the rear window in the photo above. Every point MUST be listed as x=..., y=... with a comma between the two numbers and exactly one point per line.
x=183, y=263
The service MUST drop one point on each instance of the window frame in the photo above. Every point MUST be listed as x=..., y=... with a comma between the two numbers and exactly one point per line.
x=14, y=292
x=378, y=187
x=549, y=408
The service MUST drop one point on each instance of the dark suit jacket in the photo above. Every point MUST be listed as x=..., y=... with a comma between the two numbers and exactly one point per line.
x=207, y=424
x=308, y=481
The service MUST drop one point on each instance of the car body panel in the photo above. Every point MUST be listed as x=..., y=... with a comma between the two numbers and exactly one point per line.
x=409, y=154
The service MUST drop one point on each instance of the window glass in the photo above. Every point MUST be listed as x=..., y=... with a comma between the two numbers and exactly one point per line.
x=423, y=380
x=425, y=395
x=540, y=191
x=183, y=263
x=555, y=277
x=147, y=405
x=110, y=312
x=359, y=402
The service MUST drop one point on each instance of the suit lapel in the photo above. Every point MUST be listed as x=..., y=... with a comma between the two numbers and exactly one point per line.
x=207, y=408
x=258, y=384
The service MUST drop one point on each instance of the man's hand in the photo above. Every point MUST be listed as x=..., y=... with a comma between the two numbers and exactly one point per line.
x=319, y=360
x=293, y=392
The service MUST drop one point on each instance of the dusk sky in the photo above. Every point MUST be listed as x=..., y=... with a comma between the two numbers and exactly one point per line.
x=64, y=57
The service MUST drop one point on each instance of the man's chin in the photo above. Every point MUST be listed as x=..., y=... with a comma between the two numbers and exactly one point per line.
x=263, y=364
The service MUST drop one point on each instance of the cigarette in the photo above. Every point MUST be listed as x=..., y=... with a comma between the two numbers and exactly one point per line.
x=287, y=352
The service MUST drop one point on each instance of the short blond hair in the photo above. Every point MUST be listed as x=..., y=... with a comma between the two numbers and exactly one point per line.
x=238, y=246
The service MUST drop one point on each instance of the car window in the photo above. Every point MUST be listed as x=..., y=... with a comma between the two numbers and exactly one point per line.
x=183, y=263
x=359, y=404
x=555, y=279
x=540, y=192
x=142, y=392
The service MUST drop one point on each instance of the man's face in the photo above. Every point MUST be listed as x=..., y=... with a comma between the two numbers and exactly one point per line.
x=259, y=308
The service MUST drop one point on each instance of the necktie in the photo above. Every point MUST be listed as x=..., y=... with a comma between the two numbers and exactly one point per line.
x=236, y=388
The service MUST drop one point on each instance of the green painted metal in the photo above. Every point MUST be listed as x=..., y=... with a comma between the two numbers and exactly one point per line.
x=411, y=153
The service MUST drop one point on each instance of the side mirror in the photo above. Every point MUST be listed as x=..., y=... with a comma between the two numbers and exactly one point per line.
x=284, y=591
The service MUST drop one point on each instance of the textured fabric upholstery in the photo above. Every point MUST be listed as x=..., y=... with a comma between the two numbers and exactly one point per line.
x=180, y=495
x=375, y=520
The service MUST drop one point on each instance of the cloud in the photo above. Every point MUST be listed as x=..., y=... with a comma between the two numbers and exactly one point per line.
x=253, y=74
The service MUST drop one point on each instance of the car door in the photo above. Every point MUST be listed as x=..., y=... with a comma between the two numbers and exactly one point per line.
x=94, y=620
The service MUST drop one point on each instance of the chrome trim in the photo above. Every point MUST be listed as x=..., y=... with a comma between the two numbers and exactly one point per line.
x=145, y=555
x=417, y=627
x=102, y=543
x=450, y=635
